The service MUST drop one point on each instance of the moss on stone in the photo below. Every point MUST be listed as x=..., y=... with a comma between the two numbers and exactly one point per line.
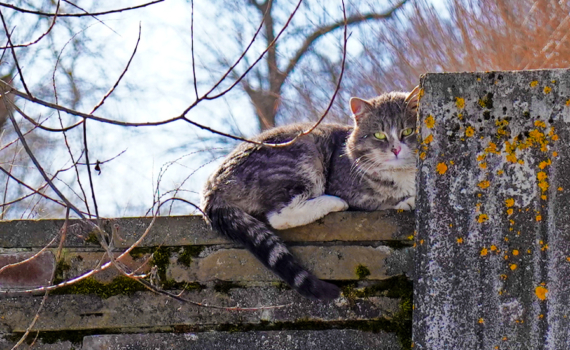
x=362, y=272
x=188, y=253
x=120, y=285
x=61, y=268
x=173, y=285
x=92, y=238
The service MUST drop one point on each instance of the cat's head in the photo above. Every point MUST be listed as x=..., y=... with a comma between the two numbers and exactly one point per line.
x=384, y=135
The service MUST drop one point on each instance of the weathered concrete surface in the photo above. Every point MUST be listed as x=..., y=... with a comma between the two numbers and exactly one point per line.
x=272, y=340
x=327, y=262
x=34, y=273
x=493, y=241
x=192, y=230
x=146, y=310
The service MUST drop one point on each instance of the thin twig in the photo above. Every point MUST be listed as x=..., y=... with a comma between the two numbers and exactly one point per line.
x=22, y=10
x=16, y=62
x=41, y=36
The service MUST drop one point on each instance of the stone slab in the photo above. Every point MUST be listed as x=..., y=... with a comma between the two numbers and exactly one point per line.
x=493, y=243
x=239, y=265
x=271, y=340
x=152, y=312
x=192, y=230
x=33, y=273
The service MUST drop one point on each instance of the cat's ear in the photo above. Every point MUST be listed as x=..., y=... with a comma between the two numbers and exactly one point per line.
x=358, y=106
x=412, y=100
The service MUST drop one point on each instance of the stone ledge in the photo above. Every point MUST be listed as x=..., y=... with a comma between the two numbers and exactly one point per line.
x=146, y=310
x=270, y=340
x=192, y=230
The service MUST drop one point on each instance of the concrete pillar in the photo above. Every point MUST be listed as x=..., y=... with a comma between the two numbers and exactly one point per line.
x=492, y=268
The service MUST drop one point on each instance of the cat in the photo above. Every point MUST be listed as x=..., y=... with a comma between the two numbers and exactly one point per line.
x=368, y=166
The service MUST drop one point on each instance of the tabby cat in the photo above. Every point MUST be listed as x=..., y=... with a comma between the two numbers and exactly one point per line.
x=368, y=166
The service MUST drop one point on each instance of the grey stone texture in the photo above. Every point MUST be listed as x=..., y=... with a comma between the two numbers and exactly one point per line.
x=493, y=224
x=334, y=248
x=272, y=340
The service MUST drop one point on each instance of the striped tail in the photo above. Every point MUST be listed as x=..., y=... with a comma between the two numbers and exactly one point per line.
x=268, y=248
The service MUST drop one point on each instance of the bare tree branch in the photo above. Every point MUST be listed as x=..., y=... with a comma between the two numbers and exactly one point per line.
x=22, y=10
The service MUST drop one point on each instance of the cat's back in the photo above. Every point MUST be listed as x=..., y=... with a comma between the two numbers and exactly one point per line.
x=252, y=168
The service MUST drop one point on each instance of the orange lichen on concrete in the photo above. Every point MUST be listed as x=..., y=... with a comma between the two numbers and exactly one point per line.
x=428, y=139
x=483, y=165
x=534, y=83
x=541, y=176
x=492, y=148
x=515, y=252
x=544, y=164
x=469, y=131
x=484, y=184
x=513, y=267
x=568, y=102
x=555, y=154
x=482, y=218
x=541, y=292
x=547, y=89
x=460, y=102
x=560, y=189
x=423, y=155
x=509, y=202
x=430, y=121
x=441, y=168
x=459, y=240
x=481, y=320
x=484, y=251
x=540, y=123
x=543, y=185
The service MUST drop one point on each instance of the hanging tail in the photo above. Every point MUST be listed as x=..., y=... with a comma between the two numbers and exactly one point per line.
x=268, y=248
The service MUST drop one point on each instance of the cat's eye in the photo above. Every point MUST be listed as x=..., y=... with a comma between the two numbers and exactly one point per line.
x=380, y=136
x=407, y=132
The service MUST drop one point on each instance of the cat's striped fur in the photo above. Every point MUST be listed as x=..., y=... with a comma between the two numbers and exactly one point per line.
x=370, y=166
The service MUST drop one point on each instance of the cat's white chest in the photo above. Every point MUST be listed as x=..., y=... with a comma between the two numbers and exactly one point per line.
x=406, y=181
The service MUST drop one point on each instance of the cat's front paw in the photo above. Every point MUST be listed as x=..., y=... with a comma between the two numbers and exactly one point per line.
x=407, y=204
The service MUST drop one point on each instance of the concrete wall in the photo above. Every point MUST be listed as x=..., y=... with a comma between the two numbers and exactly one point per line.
x=367, y=254
x=493, y=253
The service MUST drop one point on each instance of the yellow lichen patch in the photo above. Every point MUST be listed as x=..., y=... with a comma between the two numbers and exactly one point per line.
x=451, y=162
x=547, y=89
x=533, y=83
x=510, y=211
x=484, y=184
x=421, y=241
x=493, y=248
x=481, y=157
x=568, y=102
x=554, y=137
x=485, y=251
x=544, y=247
x=568, y=259
x=560, y=189
x=509, y=202
x=541, y=175
x=553, y=81
x=506, y=257
x=430, y=121
x=441, y=168
x=423, y=155
x=500, y=172
x=428, y=139
x=512, y=222
x=459, y=240
x=469, y=131
x=511, y=158
x=540, y=123
x=544, y=164
x=538, y=218
x=482, y=218
x=492, y=148
x=515, y=252
x=541, y=292
x=460, y=102
x=513, y=267
x=502, y=123
x=543, y=186
x=503, y=277
x=543, y=197
x=481, y=320
x=555, y=154
x=483, y=165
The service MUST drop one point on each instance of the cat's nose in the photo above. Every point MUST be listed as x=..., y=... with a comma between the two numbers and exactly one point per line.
x=396, y=150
